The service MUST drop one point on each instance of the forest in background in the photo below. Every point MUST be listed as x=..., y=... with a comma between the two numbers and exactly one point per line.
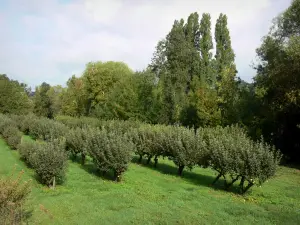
x=191, y=80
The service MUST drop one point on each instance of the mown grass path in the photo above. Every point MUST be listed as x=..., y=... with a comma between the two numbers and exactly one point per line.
x=156, y=196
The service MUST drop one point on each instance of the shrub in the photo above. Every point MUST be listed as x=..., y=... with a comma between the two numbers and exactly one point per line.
x=81, y=122
x=76, y=142
x=185, y=148
x=12, y=136
x=46, y=129
x=144, y=140
x=232, y=154
x=13, y=194
x=49, y=161
x=9, y=131
x=5, y=122
x=110, y=151
x=26, y=149
x=26, y=122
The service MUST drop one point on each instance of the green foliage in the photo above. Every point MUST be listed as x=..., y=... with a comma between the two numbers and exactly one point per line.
x=42, y=101
x=9, y=131
x=205, y=47
x=277, y=83
x=46, y=129
x=276, y=202
x=110, y=150
x=74, y=122
x=185, y=147
x=13, y=194
x=149, y=141
x=12, y=135
x=76, y=142
x=233, y=154
x=25, y=122
x=27, y=149
x=14, y=97
x=100, y=77
x=74, y=100
x=48, y=159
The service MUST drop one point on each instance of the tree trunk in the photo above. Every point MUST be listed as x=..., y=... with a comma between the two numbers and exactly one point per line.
x=149, y=159
x=140, y=159
x=53, y=185
x=228, y=185
x=117, y=176
x=242, y=184
x=217, y=178
x=82, y=158
x=155, y=161
x=180, y=170
x=248, y=187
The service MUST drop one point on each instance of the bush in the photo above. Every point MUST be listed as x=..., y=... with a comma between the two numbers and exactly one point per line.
x=9, y=131
x=13, y=194
x=5, y=122
x=76, y=142
x=185, y=147
x=49, y=161
x=26, y=122
x=232, y=154
x=144, y=140
x=81, y=122
x=12, y=136
x=46, y=129
x=26, y=149
x=110, y=150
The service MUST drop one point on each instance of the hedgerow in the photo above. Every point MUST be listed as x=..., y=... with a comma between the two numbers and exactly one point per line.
x=227, y=150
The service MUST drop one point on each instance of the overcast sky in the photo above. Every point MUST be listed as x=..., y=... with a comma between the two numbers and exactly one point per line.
x=49, y=40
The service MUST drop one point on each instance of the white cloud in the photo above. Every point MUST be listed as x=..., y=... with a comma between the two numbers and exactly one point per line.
x=50, y=41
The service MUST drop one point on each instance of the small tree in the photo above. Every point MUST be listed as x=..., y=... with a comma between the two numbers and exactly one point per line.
x=13, y=194
x=12, y=136
x=76, y=142
x=49, y=161
x=110, y=151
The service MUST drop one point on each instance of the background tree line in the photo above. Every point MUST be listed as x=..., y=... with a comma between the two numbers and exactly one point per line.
x=191, y=80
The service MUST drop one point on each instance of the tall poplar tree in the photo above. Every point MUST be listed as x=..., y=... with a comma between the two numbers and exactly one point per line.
x=225, y=70
x=206, y=46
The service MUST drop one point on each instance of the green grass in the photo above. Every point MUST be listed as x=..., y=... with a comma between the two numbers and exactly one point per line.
x=156, y=196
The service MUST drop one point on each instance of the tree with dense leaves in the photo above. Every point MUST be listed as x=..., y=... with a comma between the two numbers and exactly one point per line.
x=206, y=46
x=278, y=83
x=42, y=101
x=14, y=97
x=226, y=71
x=74, y=98
x=100, y=78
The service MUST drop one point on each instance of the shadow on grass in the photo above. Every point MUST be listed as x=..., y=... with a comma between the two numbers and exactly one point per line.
x=90, y=167
x=195, y=178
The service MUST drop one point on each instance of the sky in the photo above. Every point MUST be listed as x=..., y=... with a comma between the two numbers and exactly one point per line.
x=50, y=40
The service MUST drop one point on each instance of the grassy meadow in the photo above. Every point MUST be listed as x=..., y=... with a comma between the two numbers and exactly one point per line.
x=150, y=195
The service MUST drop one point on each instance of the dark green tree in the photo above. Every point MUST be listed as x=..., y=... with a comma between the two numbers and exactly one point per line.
x=226, y=71
x=277, y=83
x=206, y=46
x=42, y=101
x=14, y=97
